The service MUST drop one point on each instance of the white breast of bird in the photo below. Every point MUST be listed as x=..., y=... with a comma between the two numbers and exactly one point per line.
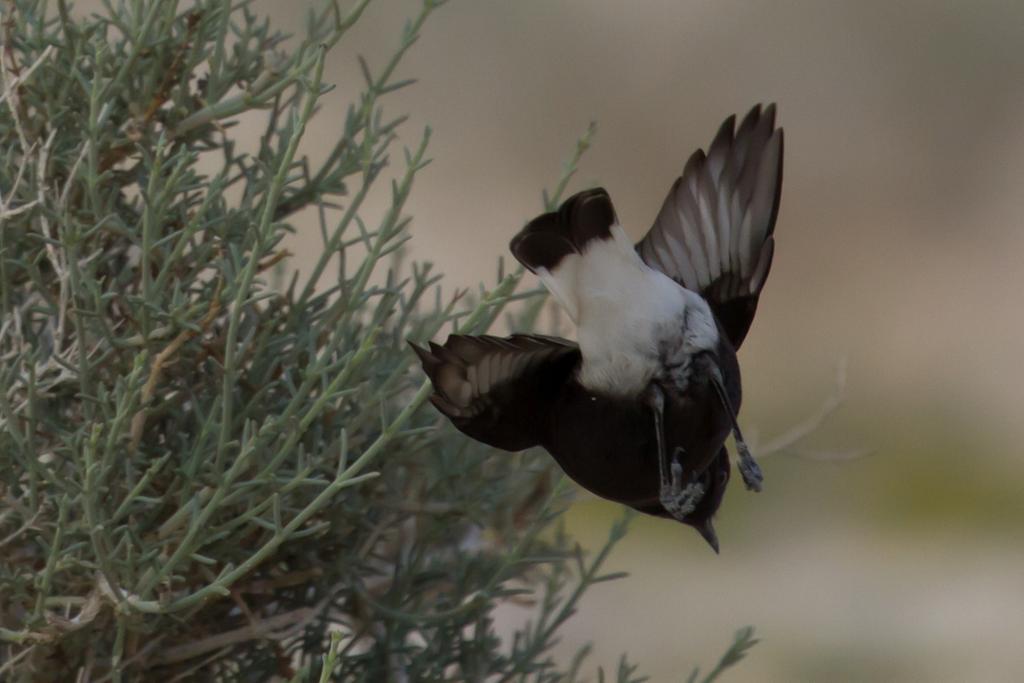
x=631, y=319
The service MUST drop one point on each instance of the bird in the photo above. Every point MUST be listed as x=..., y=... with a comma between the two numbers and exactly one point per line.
x=636, y=410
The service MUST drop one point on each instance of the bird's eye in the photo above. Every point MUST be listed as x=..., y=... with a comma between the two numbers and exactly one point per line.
x=722, y=476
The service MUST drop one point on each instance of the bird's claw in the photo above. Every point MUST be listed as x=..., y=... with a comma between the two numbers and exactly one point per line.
x=679, y=501
x=749, y=468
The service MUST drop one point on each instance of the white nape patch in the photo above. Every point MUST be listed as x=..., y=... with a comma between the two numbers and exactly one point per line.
x=627, y=314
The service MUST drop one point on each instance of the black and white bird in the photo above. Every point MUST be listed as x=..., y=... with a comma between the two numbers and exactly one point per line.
x=638, y=409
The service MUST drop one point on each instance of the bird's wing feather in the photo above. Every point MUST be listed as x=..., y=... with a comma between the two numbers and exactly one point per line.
x=713, y=234
x=498, y=390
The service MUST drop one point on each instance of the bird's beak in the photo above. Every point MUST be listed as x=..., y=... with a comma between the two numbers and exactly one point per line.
x=707, y=532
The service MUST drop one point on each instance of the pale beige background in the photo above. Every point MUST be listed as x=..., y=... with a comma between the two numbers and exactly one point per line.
x=900, y=246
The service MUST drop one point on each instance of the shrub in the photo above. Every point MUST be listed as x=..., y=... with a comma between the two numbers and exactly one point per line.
x=208, y=470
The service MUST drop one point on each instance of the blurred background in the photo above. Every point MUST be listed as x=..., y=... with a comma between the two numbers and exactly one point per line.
x=899, y=248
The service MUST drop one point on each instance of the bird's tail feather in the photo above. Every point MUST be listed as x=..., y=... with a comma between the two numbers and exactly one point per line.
x=546, y=240
x=547, y=245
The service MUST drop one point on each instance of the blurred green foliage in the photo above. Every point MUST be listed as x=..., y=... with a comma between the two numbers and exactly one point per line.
x=186, y=463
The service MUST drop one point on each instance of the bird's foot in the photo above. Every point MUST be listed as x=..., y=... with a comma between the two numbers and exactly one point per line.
x=749, y=468
x=752, y=476
x=679, y=500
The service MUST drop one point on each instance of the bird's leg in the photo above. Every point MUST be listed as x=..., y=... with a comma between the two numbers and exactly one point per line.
x=677, y=500
x=748, y=467
x=683, y=499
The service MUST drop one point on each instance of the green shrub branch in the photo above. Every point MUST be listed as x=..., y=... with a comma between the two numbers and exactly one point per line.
x=212, y=466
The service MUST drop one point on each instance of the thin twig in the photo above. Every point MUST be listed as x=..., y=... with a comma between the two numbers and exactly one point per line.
x=27, y=525
x=788, y=440
x=11, y=85
x=257, y=630
x=160, y=360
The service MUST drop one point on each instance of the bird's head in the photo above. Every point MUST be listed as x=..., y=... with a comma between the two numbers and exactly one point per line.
x=714, y=480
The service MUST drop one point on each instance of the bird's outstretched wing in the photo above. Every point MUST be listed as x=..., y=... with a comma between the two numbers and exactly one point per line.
x=713, y=234
x=499, y=390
